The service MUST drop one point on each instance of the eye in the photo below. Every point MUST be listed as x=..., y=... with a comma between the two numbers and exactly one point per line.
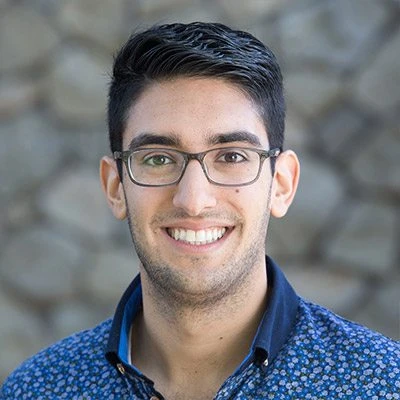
x=232, y=157
x=158, y=160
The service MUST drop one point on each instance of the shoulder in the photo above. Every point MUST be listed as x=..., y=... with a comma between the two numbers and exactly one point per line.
x=69, y=363
x=332, y=330
x=340, y=353
x=324, y=328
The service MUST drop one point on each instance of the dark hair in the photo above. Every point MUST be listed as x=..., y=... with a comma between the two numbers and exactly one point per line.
x=196, y=50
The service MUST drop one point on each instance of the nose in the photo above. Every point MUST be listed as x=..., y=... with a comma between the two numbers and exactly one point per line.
x=194, y=192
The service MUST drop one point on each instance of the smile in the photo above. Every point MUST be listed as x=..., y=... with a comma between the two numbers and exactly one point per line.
x=198, y=238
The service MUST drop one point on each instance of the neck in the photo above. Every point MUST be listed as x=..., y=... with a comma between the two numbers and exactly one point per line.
x=190, y=344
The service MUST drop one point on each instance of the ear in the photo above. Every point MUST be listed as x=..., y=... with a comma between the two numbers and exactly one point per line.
x=112, y=187
x=286, y=179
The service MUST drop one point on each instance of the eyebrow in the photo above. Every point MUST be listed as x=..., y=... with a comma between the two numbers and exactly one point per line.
x=147, y=138
x=236, y=136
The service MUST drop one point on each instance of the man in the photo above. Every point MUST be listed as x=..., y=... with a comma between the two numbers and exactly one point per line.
x=196, y=121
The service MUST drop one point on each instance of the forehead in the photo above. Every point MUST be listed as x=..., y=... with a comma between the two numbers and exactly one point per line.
x=194, y=110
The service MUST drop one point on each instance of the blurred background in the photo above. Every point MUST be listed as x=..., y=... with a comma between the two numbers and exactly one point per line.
x=64, y=260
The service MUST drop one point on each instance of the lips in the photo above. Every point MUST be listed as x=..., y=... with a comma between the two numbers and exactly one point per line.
x=197, y=237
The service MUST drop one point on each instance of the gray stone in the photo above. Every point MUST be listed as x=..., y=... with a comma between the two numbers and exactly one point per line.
x=25, y=38
x=3, y=229
x=366, y=242
x=311, y=93
x=41, y=265
x=239, y=10
x=92, y=18
x=156, y=6
x=16, y=95
x=339, y=128
x=78, y=86
x=275, y=245
x=377, y=164
x=88, y=144
x=74, y=316
x=29, y=152
x=336, y=290
x=76, y=200
x=111, y=273
x=296, y=136
x=378, y=85
x=170, y=14
x=382, y=312
x=47, y=8
x=19, y=213
x=298, y=231
x=336, y=32
x=20, y=335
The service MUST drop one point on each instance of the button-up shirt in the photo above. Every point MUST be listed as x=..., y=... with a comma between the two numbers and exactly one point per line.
x=300, y=351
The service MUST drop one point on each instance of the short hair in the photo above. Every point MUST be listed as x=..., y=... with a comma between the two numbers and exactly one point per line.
x=197, y=49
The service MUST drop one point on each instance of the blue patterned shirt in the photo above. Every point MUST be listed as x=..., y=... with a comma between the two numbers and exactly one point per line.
x=300, y=351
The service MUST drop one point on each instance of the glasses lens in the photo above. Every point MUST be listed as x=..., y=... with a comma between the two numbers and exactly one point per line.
x=232, y=166
x=156, y=166
x=224, y=166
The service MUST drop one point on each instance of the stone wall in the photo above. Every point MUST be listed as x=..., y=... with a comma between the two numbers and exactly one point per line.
x=64, y=260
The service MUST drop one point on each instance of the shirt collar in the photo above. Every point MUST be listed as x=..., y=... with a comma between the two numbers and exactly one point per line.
x=280, y=315
x=278, y=320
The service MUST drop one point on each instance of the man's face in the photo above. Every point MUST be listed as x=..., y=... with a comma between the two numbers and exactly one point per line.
x=196, y=115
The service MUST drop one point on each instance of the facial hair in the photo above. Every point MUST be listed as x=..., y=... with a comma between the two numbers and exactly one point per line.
x=174, y=289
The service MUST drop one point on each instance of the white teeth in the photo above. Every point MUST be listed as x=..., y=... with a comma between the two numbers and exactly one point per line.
x=200, y=237
x=190, y=236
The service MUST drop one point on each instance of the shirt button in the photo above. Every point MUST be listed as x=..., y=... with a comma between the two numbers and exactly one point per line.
x=121, y=368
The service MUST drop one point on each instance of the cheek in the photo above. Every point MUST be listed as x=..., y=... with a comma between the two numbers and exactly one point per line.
x=139, y=203
x=253, y=199
x=147, y=203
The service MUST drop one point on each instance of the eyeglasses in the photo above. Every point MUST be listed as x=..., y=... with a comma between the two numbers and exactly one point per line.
x=225, y=166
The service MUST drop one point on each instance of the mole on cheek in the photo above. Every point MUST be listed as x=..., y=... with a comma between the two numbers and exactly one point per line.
x=237, y=190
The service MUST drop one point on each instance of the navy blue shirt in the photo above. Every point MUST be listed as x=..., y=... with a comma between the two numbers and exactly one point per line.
x=300, y=351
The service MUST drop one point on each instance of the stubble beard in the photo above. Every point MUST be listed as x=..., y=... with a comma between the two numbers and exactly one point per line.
x=172, y=289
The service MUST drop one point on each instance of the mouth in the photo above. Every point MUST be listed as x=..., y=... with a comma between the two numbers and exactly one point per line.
x=197, y=237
